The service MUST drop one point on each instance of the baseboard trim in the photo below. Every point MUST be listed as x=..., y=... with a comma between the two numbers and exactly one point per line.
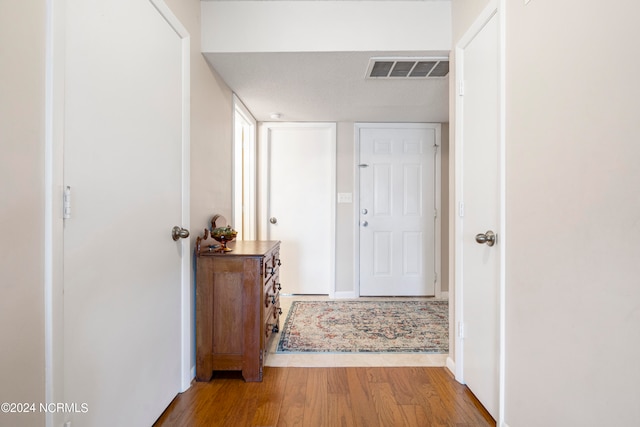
x=444, y=294
x=344, y=295
x=451, y=366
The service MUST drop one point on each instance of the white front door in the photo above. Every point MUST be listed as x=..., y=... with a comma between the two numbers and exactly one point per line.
x=298, y=202
x=480, y=211
x=123, y=162
x=398, y=209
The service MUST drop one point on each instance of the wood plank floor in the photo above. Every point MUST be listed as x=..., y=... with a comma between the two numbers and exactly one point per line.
x=329, y=397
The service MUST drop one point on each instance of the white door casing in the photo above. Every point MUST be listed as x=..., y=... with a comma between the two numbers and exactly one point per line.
x=398, y=229
x=297, y=202
x=126, y=349
x=479, y=283
x=244, y=172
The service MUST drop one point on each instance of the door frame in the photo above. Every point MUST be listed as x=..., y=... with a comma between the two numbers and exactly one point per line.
x=263, y=186
x=244, y=205
x=356, y=198
x=494, y=8
x=53, y=193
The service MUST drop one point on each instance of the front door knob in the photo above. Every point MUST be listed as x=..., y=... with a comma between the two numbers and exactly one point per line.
x=179, y=232
x=489, y=238
x=273, y=220
x=364, y=223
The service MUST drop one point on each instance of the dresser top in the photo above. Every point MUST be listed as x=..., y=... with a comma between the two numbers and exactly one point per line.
x=239, y=248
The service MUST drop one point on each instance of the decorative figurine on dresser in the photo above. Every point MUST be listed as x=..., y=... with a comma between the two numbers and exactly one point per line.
x=237, y=302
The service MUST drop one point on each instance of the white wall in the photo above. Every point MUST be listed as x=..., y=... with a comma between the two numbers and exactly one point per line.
x=464, y=12
x=325, y=26
x=22, y=133
x=345, y=221
x=211, y=128
x=573, y=214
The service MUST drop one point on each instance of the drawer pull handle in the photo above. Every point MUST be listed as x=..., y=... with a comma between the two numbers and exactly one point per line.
x=271, y=327
x=279, y=287
x=279, y=310
x=266, y=300
x=279, y=262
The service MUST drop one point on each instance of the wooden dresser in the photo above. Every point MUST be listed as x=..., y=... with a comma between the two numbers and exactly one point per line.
x=237, y=306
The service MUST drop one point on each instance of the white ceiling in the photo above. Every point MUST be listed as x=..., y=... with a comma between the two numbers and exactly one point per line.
x=330, y=86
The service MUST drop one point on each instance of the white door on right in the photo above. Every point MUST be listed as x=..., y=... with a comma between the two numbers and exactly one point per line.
x=481, y=217
x=397, y=209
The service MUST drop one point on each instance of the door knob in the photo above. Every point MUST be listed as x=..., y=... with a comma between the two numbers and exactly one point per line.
x=364, y=223
x=489, y=238
x=179, y=232
x=273, y=220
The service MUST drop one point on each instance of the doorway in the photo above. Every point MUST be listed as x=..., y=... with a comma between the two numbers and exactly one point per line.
x=244, y=172
x=398, y=231
x=297, y=202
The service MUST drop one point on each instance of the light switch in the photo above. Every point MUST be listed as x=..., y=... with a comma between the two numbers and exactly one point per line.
x=345, y=198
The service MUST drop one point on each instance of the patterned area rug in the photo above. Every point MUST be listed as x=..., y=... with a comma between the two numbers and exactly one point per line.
x=366, y=326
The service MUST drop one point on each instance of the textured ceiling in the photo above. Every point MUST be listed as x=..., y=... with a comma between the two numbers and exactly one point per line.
x=330, y=86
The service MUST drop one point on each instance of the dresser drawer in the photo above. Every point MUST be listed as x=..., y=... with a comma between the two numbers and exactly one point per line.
x=271, y=264
x=271, y=299
x=272, y=322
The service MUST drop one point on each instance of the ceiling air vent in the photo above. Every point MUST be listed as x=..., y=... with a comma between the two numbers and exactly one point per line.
x=408, y=68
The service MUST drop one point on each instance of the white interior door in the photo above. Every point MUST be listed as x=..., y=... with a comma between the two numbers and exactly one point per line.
x=298, y=202
x=480, y=206
x=123, y=161
x=398, y=210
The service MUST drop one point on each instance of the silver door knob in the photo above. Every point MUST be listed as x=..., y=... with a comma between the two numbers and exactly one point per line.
x=365, y=211
x=273, y=220
x=179, y=232
x=489, y=238
x=364, y=223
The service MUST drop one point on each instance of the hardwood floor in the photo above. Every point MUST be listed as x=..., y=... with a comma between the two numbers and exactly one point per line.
x=329, y=397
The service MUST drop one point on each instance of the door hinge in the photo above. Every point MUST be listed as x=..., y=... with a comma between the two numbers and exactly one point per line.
x=435, y=277
x=66, y=203
x=461, y=209
x=435, y=148
x=461, y=88
x=435, y=213
x=460, y=330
